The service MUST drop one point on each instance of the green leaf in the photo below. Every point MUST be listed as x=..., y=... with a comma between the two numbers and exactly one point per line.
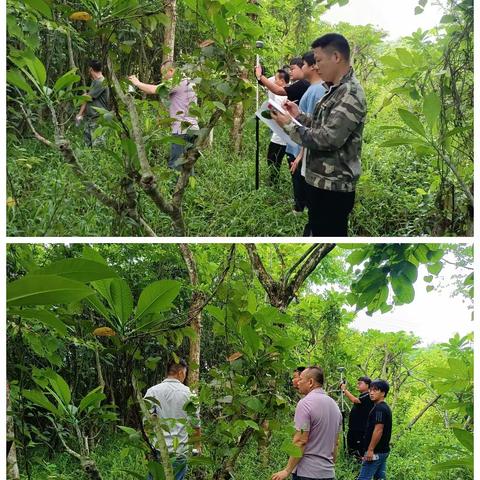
x=418, y=10
x=37, y=69
x=448, y=19
x=412, y=121
x=290, y=449
x=47, y=318
x=464, y=437
x=45, y=290
x=60, y=387
x=435, y=268
x=16, y=79
x=41, y=7
x=465, y=462
x=402, y=287
x=221, y=25
x=40, y=399
x=255, y=404
x=431, y=108
x=397, y=141
x=66, y=80
x=405, y=56
x=77, y=269
x=93, y=397
x=122, y=299
x=157, y=297
x=251, y=338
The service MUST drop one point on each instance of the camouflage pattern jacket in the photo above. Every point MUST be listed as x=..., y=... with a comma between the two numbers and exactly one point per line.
x=333, y=136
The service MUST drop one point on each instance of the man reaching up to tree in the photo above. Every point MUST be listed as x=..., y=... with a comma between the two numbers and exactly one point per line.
x=333, y=138
x=181, y=97
x=318, y=422
x=357, y=421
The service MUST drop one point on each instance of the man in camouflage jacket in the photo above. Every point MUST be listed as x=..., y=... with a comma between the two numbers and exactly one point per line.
x=332, y=137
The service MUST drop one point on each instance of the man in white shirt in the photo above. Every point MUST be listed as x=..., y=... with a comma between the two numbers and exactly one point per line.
x=168, y=400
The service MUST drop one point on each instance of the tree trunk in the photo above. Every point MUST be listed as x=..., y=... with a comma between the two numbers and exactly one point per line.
x=194, y=316
x=169, y=32
x=236, y=131
x=12, y=465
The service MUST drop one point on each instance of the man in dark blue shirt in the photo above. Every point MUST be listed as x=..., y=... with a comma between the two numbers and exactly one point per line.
x=377, y=435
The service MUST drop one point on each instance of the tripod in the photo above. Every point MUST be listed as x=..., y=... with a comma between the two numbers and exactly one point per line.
x=343, y=408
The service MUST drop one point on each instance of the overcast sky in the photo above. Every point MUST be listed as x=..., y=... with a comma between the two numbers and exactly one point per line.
x=434, y=316
x=397, y=17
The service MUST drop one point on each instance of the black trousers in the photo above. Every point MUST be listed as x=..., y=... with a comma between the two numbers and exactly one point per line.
x=328, y=211
x=299, y=186
x=355, y=442
x=275, y=156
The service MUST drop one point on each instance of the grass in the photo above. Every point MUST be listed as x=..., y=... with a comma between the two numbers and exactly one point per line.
x=221, y=199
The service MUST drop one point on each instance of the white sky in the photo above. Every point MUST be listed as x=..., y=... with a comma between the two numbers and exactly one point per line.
x=433, y=316
x=397, y=17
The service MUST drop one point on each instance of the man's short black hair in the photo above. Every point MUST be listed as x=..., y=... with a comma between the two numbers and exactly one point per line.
x=174, y=367
x=299, y=369
x=309, y=58
x=284, y=75
x=381, y=385
x=334, y=42
x=95, y=65
x=317, y=374
x=366, y=380
x=296, y=61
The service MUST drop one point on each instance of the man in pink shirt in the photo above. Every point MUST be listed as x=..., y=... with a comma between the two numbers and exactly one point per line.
x=318, y=423
x=181, y=97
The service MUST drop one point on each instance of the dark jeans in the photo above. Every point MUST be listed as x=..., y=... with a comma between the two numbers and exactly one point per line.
x=275, y=156
x=296, y=477
x=328, y=211
x=376, y=469
x=299, y=186
x=178, y=150
x=179, y=465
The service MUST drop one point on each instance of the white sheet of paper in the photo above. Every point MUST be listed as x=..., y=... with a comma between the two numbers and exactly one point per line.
x=280, y=108
x=274, y=126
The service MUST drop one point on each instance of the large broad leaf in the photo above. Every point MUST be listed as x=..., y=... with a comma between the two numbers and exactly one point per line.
x=122, y=299
x=93, y=398
x=66, y=80
x=157, y=297
x=37, y=69
x=60, y=387
x=45, y=290
x=412, y=121
x=16, y=79
x=464, y=462
x=431, y=108
x=40, y=6
x=40, y=399
x=402, y=287
x=464, y=437
x=78, y=269
x=49, y=319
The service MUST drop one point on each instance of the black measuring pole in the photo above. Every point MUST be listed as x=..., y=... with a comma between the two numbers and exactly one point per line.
x=257, y=153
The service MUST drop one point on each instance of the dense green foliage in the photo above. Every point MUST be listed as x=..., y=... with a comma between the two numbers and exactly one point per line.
x=417, y=156
x=90, y=327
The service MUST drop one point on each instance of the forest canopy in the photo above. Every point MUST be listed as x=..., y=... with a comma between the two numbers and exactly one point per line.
x=91, y=327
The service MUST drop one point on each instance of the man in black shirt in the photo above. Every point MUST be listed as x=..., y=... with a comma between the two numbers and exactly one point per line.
x=357, y=421
x=294, y=92
x=377, y=435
